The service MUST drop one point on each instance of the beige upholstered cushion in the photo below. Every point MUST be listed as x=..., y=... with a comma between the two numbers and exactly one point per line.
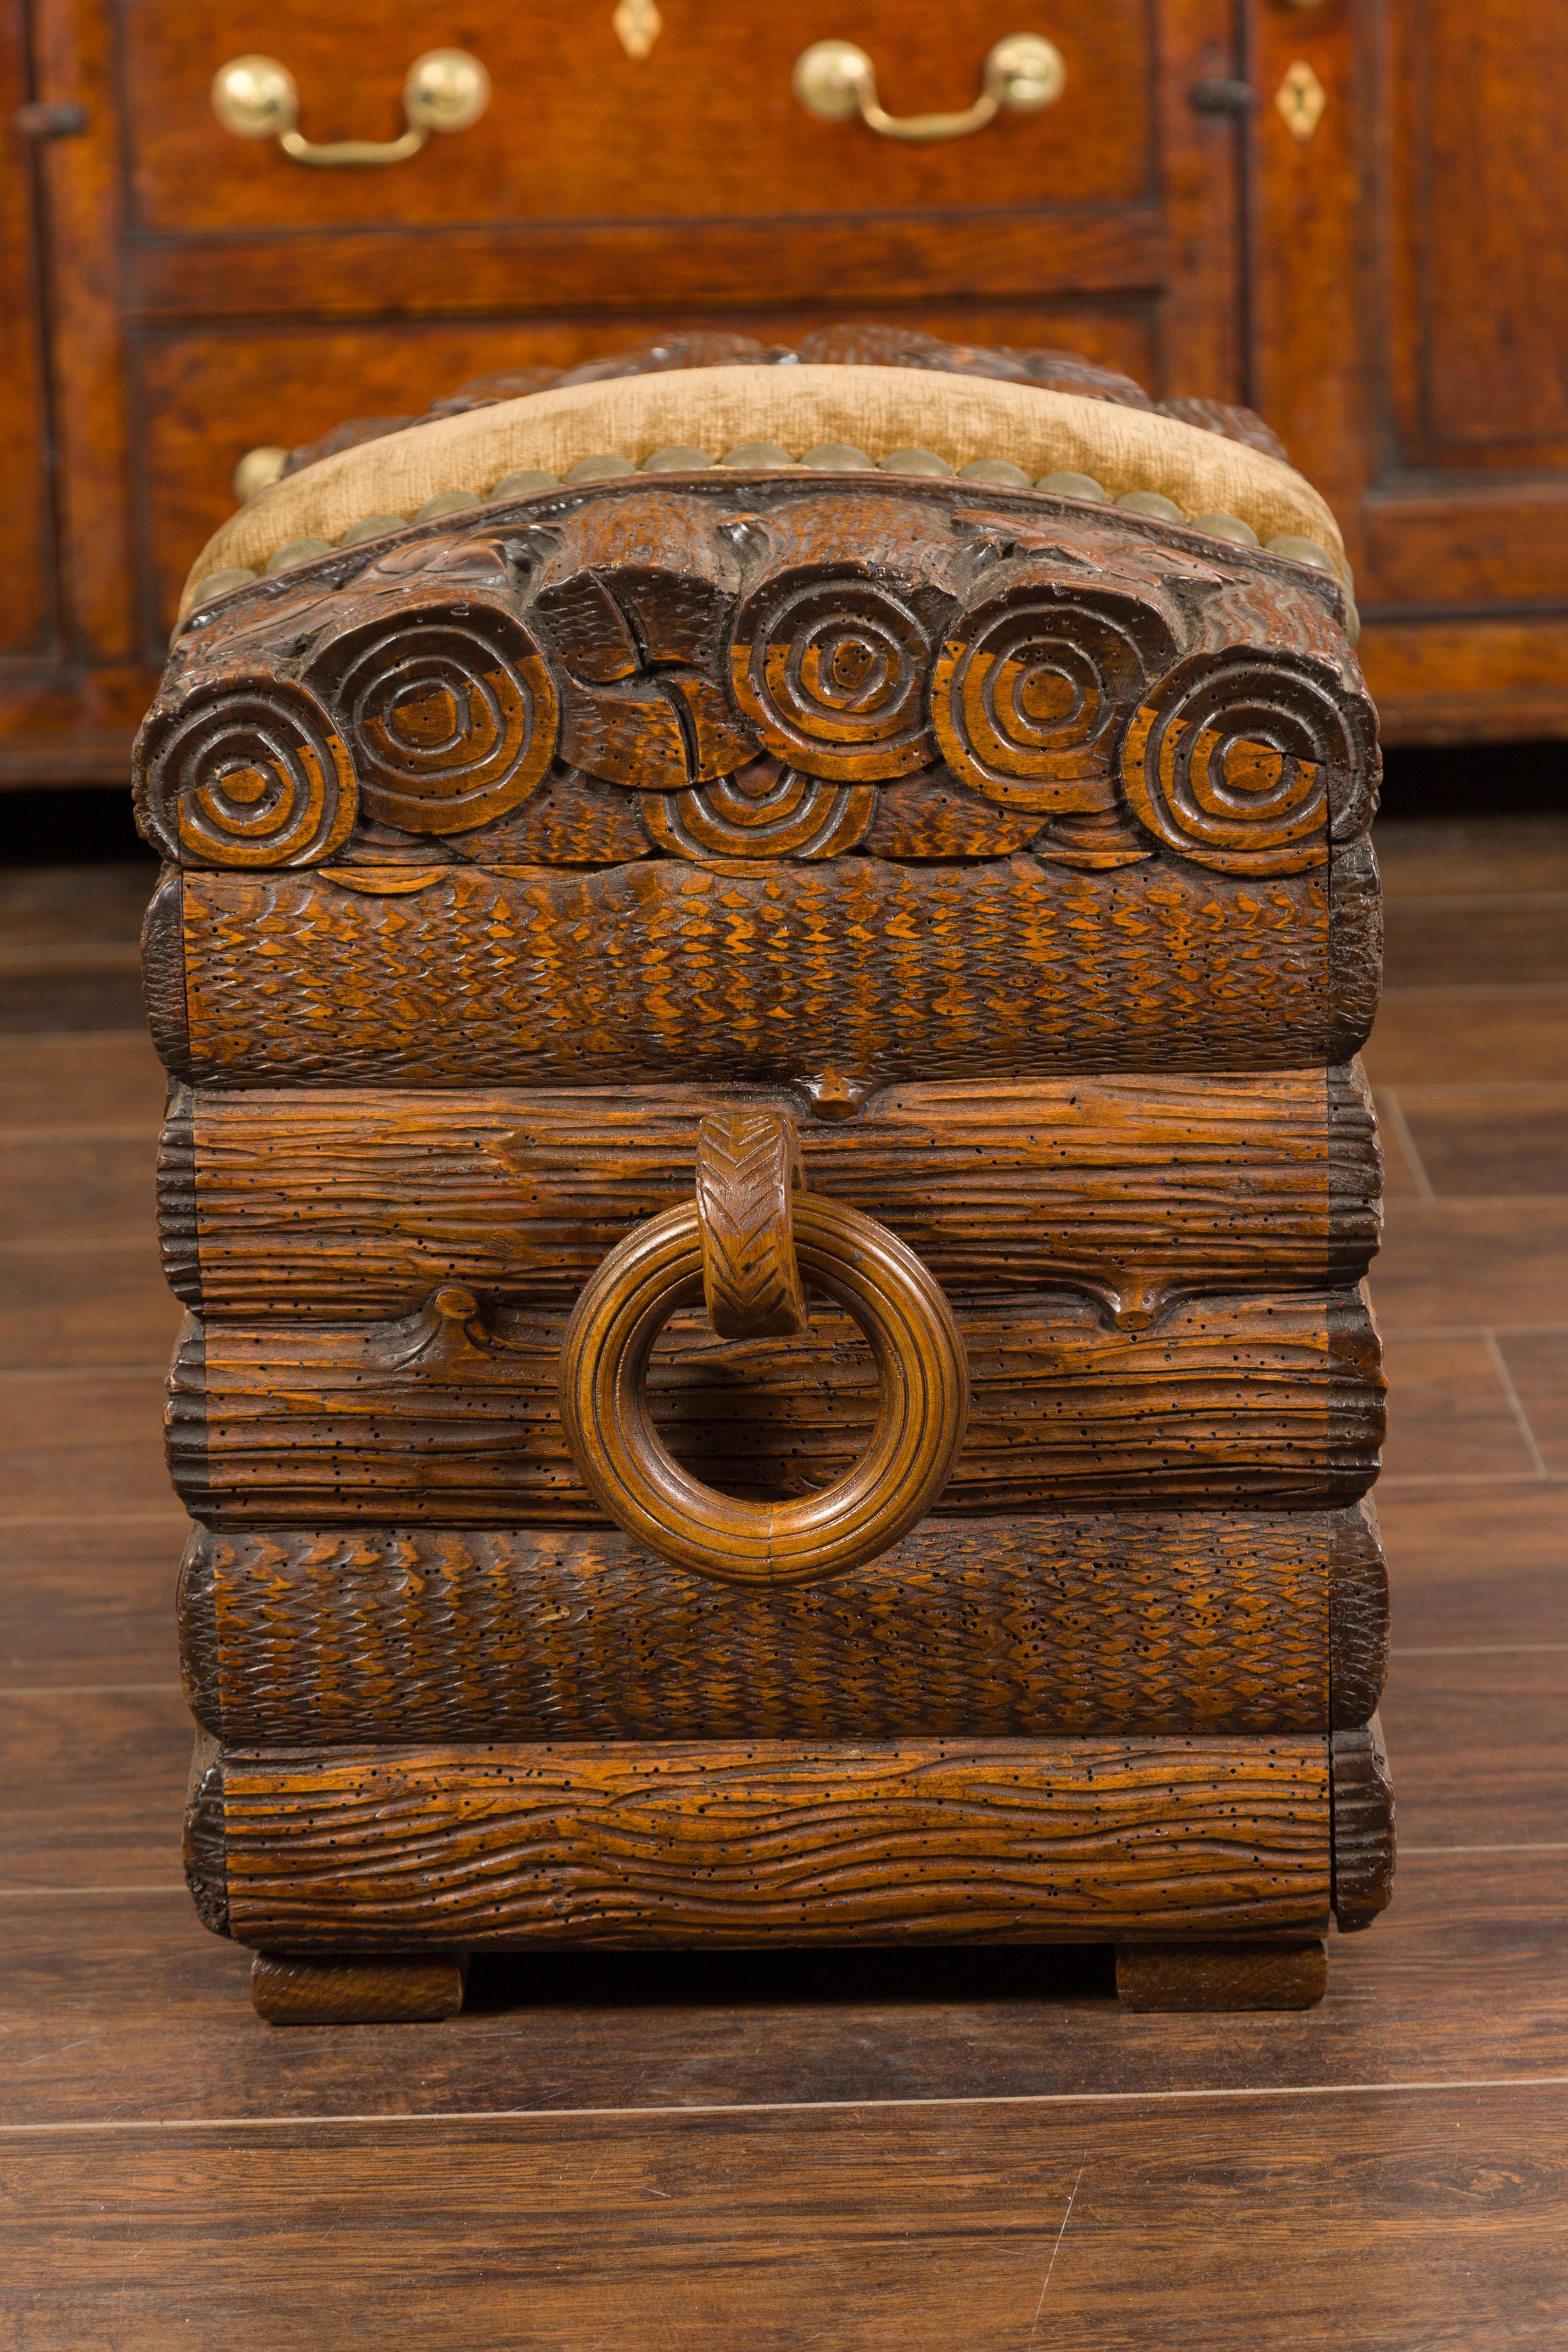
x=877, y=409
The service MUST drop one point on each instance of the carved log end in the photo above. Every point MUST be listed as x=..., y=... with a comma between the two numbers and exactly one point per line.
x=1361, y=1796
x=206, y=1858
x=163, y=972
x=1358, y=1619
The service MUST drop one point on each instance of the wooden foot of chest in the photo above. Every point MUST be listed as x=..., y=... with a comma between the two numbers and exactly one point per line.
x=415, y=1988
x=1222, y=1975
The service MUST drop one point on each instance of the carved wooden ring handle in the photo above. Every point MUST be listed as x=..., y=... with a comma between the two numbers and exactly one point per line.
x=922, y=1370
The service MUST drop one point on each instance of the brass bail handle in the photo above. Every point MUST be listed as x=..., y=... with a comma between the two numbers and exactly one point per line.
x=255, y=98
x=749, y=1243
x=1022, y=74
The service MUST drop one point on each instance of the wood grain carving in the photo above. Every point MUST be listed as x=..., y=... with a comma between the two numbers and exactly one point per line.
x=853, y=637
x=765, y=811
x=339, y=1206
x=449, y=704
x=1031, y=693
x=572, y=819
x=450, y=1416
x=1149, y=1621
x=708, y=1843
x=202, y=1839
x=1359, y=1628
x=640, y=583
x=933, y=814
x=832, y=644
x=1009, y=968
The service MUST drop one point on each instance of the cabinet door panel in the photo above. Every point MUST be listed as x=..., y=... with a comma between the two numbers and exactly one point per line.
x=1481, y=323
x=1412, y=320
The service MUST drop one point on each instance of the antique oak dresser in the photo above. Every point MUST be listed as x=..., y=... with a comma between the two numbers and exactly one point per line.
x=761, y=959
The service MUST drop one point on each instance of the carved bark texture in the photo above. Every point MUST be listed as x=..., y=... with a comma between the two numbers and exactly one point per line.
x=341, y=1205
x=1363, y=1839
x=935, y=815
x=930, y=1841
x=1151, y=1621
x=768, y=973
x=442, y=1417
x=572, y=820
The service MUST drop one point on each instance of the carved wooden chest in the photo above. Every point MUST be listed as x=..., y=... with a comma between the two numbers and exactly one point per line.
x=762, y=965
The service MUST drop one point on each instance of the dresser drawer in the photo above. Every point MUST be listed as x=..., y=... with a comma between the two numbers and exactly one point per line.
x=706, y=126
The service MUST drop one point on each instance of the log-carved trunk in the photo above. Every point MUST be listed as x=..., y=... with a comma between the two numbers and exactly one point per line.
x=932, y=921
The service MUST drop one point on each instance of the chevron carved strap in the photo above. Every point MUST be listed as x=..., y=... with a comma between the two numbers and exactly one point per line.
x=748, y=1162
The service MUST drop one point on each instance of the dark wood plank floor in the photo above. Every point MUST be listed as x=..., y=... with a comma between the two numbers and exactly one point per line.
x=974, y=2151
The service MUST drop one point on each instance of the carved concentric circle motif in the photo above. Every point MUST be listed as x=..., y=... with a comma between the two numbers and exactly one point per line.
x=764, y=811
x=246, y=771
x=831, y=670
x=1032, y=690
x=451, y=713
x=1242, y=760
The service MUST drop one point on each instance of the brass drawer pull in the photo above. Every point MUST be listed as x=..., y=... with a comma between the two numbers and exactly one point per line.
x=255, y=98
x=748, y=1253
x=1023, y=73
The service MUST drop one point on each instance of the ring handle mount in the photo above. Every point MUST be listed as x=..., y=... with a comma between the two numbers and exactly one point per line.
x=923, y=1404
x=749, y=1166
x=257, y=97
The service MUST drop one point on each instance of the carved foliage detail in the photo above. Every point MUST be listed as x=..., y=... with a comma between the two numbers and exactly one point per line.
x=1240, y=760
x=451, y=708
x=245, y=769
x=1033, y=689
